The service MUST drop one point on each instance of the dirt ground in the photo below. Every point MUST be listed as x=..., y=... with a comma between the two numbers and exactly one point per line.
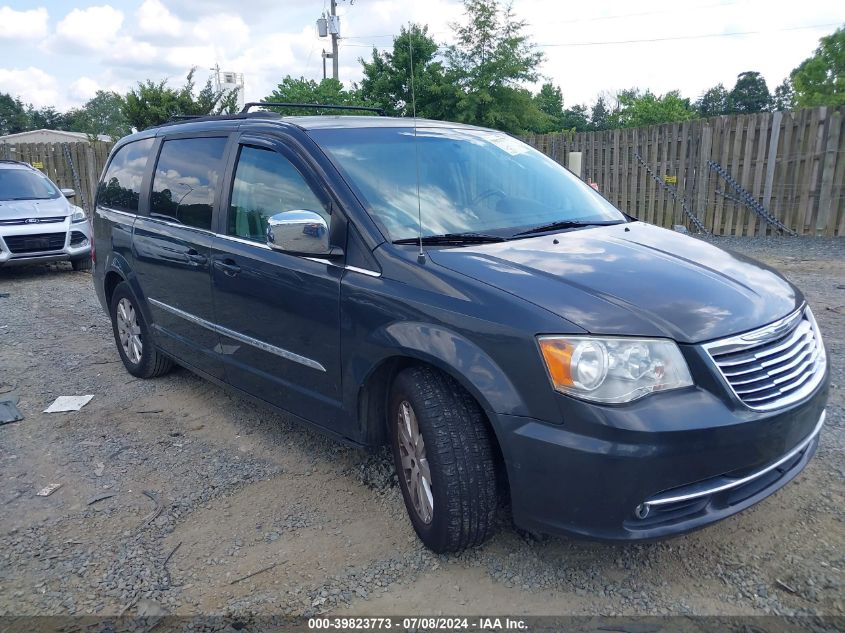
x=218, y=506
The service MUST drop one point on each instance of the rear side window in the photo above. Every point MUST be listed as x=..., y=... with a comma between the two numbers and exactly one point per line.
x=121, y=186
x=185, y=181
x=267, y=183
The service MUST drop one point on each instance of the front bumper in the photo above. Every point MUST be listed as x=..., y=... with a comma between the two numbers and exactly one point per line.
x=16, y=243
x=662, y=466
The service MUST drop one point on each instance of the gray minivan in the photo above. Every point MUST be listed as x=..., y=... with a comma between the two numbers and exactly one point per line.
x=452, y=292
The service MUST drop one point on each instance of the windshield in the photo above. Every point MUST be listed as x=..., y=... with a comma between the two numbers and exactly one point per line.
x=469, y=181
x=25, y=184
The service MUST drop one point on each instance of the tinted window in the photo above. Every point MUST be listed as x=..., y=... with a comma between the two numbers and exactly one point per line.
x=266, y=183
x=185, y=180
x=26, y=184
x=121, y=186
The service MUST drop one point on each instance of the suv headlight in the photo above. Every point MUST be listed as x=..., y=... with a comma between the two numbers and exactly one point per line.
x=77, y=216
x=613, y=370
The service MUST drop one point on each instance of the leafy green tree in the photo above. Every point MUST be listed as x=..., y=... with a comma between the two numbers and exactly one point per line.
x=13, y=117
x=151, y=103
x=713, y=102
x=638, y=109
x=47, y=118
x=102, y=114
x=576, y=118
x=600, y=115
x=784, y=96
x=490, y=60
x=750, y=94
x=301, y=90
x=549, y=102
x=820, y=79
x=387, y=79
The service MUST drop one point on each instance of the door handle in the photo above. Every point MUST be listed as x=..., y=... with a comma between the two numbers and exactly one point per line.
x=227, y=266
x=194, y=257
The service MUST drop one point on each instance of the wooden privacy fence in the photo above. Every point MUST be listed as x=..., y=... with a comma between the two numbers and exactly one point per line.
x=60, y=160
x=793, y=163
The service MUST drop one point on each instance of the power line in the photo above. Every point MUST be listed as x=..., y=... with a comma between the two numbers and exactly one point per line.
x=642, y=41
x=687, y=37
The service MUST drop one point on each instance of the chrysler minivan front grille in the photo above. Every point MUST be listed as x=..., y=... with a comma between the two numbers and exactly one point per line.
x=773, y=366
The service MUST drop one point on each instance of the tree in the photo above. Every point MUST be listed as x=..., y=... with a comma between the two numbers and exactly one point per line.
x=489, y=62
x=600, y=115
x=13, y=117
x=638, y=109
x=713, y=102
x=328, y=91
x=576, y=118
x=784, y=96
x=750, y=94
x=150, y=103
x=820, y=80
x=387, y=78
x=102, y=114
x=549, y=101
x=47, y=118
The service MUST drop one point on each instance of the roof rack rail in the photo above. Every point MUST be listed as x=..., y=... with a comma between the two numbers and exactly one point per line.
x=186, y=117
x=316, y=106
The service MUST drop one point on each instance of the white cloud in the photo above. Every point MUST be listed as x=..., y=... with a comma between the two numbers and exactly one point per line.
x=32, y=85
x=83, y=89
x=91, y=29
x=154, y=21
x=223, y=30
x=23, y=25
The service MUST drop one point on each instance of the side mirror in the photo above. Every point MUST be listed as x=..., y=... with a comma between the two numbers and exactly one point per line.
x=68, y=193
x=299, y=232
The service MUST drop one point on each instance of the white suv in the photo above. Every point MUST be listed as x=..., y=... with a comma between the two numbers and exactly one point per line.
x=37, y=221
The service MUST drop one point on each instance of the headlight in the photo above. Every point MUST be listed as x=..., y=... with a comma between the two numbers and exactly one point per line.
x=613, y=370
x=78, y=215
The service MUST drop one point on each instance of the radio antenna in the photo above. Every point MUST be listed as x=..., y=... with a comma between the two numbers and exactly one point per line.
x=421, y=254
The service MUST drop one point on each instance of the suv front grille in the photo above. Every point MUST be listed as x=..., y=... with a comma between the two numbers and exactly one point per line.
x=21, y=221
x=773, y=366
x=19, y=244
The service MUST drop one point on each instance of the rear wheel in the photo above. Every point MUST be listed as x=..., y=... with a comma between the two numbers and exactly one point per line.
x=444, y=458
x=83, y=263
x=139, y=355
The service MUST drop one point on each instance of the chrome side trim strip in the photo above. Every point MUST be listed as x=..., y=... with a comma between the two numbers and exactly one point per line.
x=243, y=338
x=735, y=483
x=364, y=271
x=111, y=213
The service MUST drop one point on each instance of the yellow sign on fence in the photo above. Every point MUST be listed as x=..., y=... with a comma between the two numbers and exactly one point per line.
x=670, y=180
x=37, y=164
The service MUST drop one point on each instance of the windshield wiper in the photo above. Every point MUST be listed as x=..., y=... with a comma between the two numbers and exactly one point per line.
x=453, y=238
x=565, y=224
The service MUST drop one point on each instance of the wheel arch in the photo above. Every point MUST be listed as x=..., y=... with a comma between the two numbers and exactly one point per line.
x=413, y=343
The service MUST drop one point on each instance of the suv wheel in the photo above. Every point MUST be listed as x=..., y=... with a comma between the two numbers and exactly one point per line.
x=443, y=455
x=139, y=355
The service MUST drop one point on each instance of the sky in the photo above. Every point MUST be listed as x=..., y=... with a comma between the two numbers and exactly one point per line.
x=60, y=52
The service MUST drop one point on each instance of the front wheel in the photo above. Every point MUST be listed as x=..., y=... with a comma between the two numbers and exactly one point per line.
x=444, y=458
x=136, y=349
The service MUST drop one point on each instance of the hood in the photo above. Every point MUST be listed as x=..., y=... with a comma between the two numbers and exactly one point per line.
x=23, y=209
x=643, y=281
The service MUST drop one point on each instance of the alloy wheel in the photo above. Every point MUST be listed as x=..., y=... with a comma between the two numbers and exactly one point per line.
x=129, y=331
x=415, y=466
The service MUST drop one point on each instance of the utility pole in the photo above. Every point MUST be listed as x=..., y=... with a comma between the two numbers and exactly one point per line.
x=335, y=33
x=330, y=26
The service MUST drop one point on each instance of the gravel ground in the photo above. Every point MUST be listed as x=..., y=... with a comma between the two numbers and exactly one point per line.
x=179, y=498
